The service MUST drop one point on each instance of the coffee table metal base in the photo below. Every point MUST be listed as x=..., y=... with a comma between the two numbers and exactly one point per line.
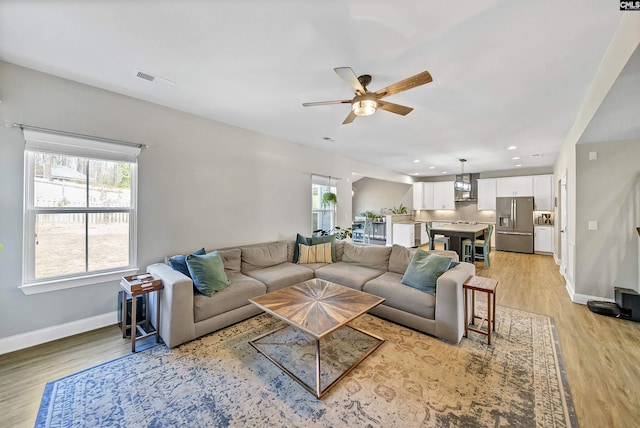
x=317, y=364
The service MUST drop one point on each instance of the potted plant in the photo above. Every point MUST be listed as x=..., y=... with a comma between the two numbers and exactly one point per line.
x=329, y=198
x=400, y=210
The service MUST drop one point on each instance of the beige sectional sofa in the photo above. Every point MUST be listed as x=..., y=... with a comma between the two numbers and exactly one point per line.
x=261, y=268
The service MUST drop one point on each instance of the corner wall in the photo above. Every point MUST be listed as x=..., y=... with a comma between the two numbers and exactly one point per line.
x=624, y=43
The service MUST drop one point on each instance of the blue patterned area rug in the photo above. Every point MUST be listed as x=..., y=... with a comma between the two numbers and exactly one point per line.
x=412, y=380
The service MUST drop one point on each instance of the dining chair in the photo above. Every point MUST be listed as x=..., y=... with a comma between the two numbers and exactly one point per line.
x=466, y=250
x=485, y=246
x=362, y=234
x=437, y=239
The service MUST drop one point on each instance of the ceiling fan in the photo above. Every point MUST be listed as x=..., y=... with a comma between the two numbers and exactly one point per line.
x=366, y=103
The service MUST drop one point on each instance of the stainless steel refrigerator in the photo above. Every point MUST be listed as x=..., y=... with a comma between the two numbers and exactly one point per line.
x=514, y=224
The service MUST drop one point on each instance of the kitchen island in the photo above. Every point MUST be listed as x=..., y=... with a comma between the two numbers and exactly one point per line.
x=457, y=233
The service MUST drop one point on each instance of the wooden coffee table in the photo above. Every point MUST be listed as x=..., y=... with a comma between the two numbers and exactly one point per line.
x=317, y=313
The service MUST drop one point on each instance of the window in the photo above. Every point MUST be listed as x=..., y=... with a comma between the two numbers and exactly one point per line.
x=80, y=209
x=323, y=214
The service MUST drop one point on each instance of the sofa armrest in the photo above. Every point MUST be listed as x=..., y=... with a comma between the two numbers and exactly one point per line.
x=450, y=302
x=176, y=305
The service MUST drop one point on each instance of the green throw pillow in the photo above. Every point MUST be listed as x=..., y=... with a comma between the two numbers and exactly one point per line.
x=424, y=270
x=315, y=240
x=207, y=272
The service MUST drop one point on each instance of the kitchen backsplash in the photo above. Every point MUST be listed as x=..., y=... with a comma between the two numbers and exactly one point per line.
x=468, y=211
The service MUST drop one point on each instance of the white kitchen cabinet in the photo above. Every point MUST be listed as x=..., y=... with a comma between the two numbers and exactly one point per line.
x=543, y=192
x=443, y=195
x=487, y=194
x=543, y=239
x=404, y=234
x=514, y=186
x=422, y=196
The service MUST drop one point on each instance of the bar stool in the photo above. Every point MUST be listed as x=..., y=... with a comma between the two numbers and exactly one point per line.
x=441, y=239
x=467, y=247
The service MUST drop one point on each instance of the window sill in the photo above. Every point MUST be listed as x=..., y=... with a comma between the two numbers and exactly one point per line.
x=63, y=284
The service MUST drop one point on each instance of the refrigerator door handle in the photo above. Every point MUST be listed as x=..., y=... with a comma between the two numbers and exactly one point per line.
x=514, y=208
x=515, y=233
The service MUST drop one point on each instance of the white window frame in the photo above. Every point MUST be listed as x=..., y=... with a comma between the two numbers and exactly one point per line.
x=319, y=180
x=83, y=147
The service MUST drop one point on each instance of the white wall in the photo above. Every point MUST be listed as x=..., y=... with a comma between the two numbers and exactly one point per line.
x=202, y=183
x=373, y=195
x=608, y=192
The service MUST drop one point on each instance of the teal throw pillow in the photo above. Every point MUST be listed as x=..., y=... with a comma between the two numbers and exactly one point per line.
x=315, y=240
x=207, y=272
x=179, y=262
x=424, y=270
x=296, y=250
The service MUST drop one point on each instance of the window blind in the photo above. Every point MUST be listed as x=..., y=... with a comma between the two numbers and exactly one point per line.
x=58, y=142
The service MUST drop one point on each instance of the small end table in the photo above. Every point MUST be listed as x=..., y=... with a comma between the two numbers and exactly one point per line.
x=134, y=286
x=485, y=285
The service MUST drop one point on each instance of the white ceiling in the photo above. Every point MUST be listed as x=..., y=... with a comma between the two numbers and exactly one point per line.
x=505, y=72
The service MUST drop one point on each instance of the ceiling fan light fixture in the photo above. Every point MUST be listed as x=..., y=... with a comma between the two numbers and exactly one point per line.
x=364, y=107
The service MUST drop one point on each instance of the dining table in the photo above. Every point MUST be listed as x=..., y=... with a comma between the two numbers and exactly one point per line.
x=457, y=233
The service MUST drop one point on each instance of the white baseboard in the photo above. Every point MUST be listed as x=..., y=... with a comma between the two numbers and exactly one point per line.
x=48, y=334
x=582, y=298
x=570, y=289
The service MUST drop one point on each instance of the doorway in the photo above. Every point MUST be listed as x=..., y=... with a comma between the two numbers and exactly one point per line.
x=564, y=236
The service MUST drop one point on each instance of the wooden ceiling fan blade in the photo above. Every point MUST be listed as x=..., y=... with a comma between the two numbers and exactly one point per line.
x=350, y=118
x=403, y=85
x=326, y=103
x=347, y=74
x=394, y=108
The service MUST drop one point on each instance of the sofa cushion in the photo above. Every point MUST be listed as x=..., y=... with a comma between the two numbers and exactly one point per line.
x=207, y=272
x=372, y=256
x=320, y=253
x=282, y=275
x=179, y=262
x=240, y=289
x=339, y=250
x=263, y=256
x=231, y=259
x=400, y=296
x=424, y=270
x=400, y=258
x=347, y=274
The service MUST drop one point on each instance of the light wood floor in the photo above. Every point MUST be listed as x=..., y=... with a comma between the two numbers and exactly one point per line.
x=601, y=355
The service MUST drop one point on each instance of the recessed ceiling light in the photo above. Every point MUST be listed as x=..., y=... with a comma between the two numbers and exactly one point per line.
x=515, y=158
x=537, y=155
x=416, y=173
x=416, y=161
x=512, y=147
x=519, y=165
x=444, y=172
x=432, y=167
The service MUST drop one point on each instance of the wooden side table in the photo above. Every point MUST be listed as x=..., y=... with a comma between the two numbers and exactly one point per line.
x=485, y=285
x=140, y=285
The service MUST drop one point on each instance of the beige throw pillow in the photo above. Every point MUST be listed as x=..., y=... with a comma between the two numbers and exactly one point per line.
x=320, y=253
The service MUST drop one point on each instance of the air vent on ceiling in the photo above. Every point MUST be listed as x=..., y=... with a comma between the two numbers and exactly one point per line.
x=145, y=76
x=151, y=78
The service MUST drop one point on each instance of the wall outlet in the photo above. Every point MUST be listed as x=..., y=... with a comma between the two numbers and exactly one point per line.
x=593, y=155
x=593, y=225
